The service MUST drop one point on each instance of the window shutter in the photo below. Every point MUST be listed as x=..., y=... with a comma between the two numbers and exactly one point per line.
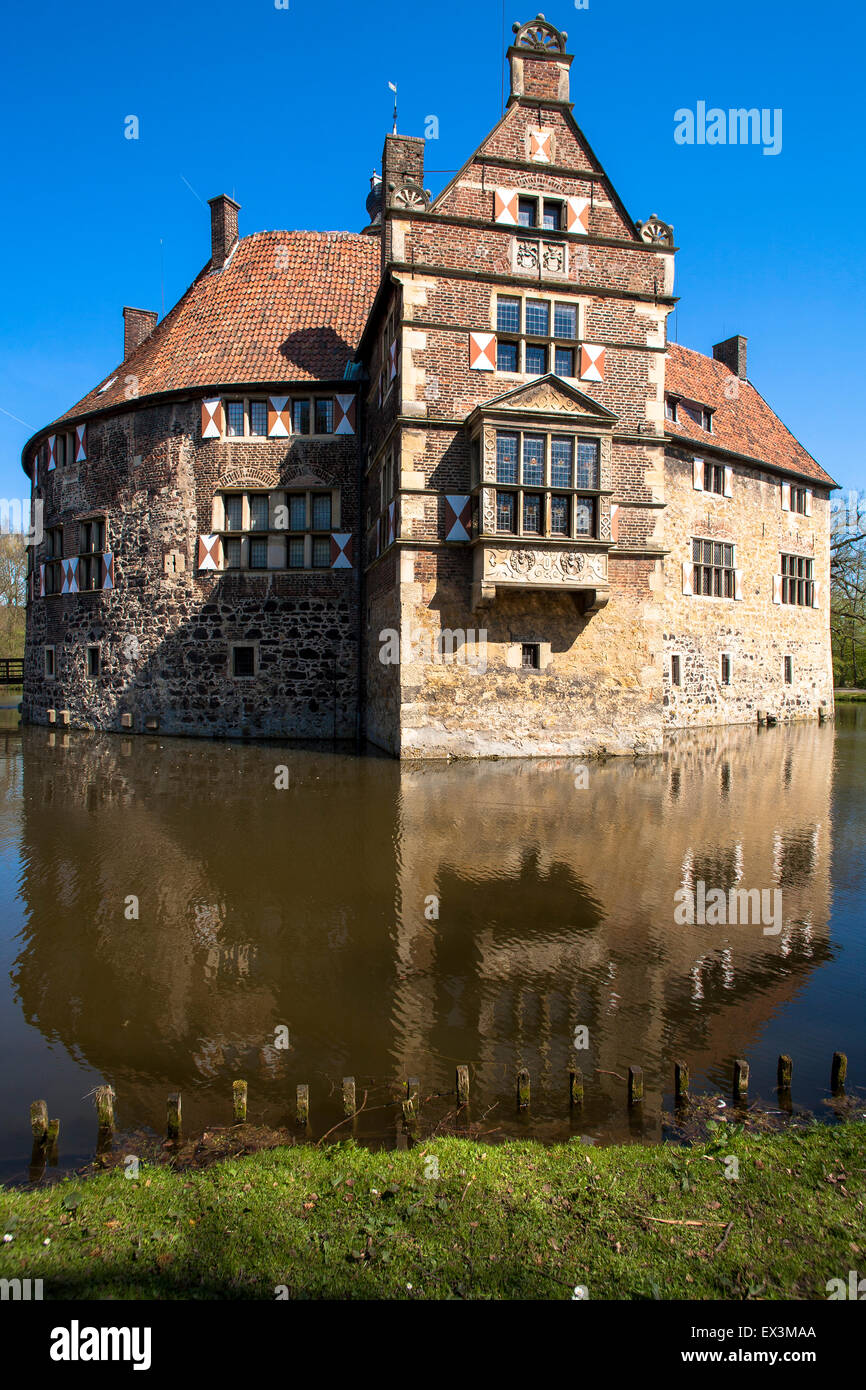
x=688, y=577
x=210, y=553
x=729, y=482
x=80, y=443
x=341, y=550
x=738, y=583
x=41, y=581
x=457, y=516
x=279, y=417
x=69, y=570
x=482, y=352
x=698, y=474
x=786, y=497
x=777, y=588
x=808, y=501
x=344, y=415
x=815, y=596
x=614, y=521
x=51, y=454
x=591, y=362
x=505, y=202
x=540, y=146
x=107, y=570
x=211, y=419
x=577, y=215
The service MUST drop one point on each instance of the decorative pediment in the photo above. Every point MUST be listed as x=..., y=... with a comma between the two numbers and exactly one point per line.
x=547, y=395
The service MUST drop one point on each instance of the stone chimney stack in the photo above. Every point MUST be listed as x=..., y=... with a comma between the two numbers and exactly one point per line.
x=539, y=63
x=138, y=324
x=223, y=228
x=733, y=353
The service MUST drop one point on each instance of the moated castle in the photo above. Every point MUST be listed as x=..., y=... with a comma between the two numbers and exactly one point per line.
x=462, y=425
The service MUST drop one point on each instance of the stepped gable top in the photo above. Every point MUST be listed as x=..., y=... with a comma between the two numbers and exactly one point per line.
x=743, y=423
x=285, y=307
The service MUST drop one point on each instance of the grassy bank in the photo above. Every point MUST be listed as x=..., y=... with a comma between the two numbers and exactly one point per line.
x=849, y=696
x=512, y=1221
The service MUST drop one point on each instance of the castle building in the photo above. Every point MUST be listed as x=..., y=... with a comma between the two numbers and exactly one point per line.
x=443, y=483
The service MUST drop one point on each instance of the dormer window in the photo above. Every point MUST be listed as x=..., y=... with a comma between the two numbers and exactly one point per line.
x=671, y=409
x=700, y=415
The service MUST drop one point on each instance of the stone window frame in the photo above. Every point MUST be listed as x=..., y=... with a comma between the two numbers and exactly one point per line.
x=676, y=672
x=53, y=572
x=540, y=199
x=514, y=655
x=246, y=401
x=551, y=341
x=87, y=559
x=723, y=569
x=52, y=648
x=546, y=488
x=91, y=647
x=799, y=499
x=804, y=582
x=247, y=645
x=275, y=535
x=726, y=668
x=788, y=667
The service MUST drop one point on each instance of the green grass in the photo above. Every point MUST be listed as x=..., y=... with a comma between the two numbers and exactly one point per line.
x=849, y=696
x=512, y=1221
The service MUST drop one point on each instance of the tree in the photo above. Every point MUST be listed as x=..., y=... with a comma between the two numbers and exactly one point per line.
x=13, y=593
x=848, y=589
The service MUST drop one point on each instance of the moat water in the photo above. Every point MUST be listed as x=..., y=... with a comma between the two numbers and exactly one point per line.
x=392, y=921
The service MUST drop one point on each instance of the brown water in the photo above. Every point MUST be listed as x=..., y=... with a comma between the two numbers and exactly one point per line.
x=303, y=909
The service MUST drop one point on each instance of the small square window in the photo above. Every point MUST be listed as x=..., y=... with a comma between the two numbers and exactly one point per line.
x=532, y=513
x=50, y=662
x=530, y=656
x=584, y=523
x=505, y=511
x=670, y=409
x=559, y=507
x=676, y=671
x=506, y=356
x=552, y=215
x=258, y=417
x=527, y=210
x=301, y=417
x=243, y=661
x=536, y=359
x=321, y=511
x=538, y=318
x=565, y=321
x=321, y=552
x=564, y=361
x=507, y=314
x=93, y=662
x=325, y=416
x=234, y=417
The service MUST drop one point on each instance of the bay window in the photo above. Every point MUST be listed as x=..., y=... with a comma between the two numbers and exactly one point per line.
x=547, y=484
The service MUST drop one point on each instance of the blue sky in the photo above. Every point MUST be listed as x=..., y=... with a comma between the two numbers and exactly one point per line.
x=287, y=109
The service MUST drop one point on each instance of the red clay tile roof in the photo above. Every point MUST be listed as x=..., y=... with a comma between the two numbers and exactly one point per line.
x=287, y=306
x=742, y=423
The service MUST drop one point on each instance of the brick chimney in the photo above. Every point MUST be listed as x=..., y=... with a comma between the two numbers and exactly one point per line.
x=539, y=63
x=223, y=228
x=402, y=172
x=138, y=324
x=733, y=353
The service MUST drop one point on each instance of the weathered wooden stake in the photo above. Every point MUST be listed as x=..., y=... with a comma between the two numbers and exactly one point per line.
x=410, y=1119
x=173, y=1118
x=104, y=1097
x=239, y=1101
x=741, y=1081
x=784, y=1072
x=523, y=1089
x=349, y=1106
x=303, y=1105
x=39, y=1121
x=635, y=1085
x=838, y=1072
x=413, y=1091
x=51, y=1141
x=681, y=1082
x=575, y=1087
x=462, y=1085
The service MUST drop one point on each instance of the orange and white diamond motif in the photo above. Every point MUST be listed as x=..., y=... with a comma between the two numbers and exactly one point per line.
x=591, y=362
x=577, y=215
x=341, y=550
x=540, y=146
x=210, y=553
x=211, y=419
x=279, y=417
x=344, y=415
x=80, y=443
x=505, y=201
x=482, y=351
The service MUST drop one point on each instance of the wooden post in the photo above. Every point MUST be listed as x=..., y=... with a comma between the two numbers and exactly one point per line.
x=462, y=1085
x=838, y=1072
x=635, y=1085
x=239, y=1101
x=51, y=1140
x=681, y=1082
x=39, y=1121
x=413, y=1091
x=349, y=1106
x=303, y=1105
x=410, y=1119
x=173, y=1118
x=741, y=1081
x=784, y=1072
x=575, y=1088
x=104, y=1097
x=523, y=1089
